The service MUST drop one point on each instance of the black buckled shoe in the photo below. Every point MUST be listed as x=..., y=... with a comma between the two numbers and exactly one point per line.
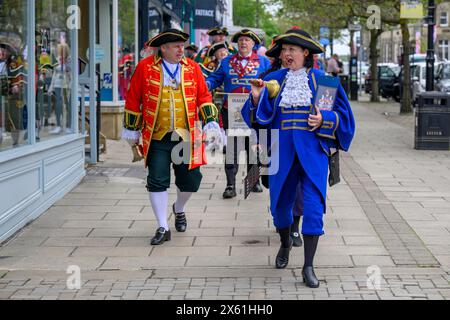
x=160, y=237
x=309, y=277
x=180, y=220
x=230, y=192
x=297, y=239
x=257, y=188
x=282, y=259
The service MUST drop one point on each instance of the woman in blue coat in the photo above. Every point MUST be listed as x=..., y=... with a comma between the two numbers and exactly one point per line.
x=283, y=102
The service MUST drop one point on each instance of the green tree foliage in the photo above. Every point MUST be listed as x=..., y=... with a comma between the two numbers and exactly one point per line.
x=254, y=14
x=126, y=22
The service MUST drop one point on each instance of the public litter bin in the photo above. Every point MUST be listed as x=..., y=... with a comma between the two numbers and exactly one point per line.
x=432, y=125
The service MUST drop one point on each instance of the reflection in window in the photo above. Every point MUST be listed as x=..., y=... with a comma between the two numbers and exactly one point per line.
x=53, y=60
x=126, y=45
x=13, y=74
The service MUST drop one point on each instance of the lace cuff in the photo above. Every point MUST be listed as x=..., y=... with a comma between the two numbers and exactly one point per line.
x=130, y=135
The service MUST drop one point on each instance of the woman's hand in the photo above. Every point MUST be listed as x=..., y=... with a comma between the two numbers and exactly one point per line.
x=258, y=86
x=315, y=121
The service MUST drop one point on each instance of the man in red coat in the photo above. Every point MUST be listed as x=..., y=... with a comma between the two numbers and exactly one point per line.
x=168, y=101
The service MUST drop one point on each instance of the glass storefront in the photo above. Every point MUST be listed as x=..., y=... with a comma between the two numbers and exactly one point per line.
x=54, y=66
x=42, y=154
x=126, y=44
x=13, y=74
x=52, y=114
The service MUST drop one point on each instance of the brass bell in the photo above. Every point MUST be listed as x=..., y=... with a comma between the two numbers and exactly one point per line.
x=138, y=153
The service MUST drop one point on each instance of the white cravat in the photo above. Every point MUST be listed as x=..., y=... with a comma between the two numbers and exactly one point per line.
x=244, y=61
x=297, y=92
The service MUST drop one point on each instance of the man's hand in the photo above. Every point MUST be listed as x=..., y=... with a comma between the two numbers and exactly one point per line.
x=315, y=121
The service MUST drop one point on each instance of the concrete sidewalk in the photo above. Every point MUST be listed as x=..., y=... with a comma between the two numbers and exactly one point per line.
x=391, y=211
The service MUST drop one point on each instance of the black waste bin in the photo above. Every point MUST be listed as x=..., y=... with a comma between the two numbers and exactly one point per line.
x=345, y=82
x=433, y=121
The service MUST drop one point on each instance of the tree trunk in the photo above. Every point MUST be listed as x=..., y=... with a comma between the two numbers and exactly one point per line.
x=374, y=54
x=405, y=106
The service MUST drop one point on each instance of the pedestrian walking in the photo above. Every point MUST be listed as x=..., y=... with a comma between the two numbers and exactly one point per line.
x=167, y=93
x=283, y=101
x=234, y=73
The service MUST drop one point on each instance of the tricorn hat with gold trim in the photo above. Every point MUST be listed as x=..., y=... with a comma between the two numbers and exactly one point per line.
x=192, y=47
x=274, y=50
x=213, y=49
x=301, y=38
x=246, y=33
x=217, y=31
x=170, y=35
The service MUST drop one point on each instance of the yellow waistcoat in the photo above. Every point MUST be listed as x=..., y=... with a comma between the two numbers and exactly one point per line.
x=171, y=103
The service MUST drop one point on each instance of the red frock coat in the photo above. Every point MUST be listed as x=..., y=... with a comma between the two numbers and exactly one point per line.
x=144, y=97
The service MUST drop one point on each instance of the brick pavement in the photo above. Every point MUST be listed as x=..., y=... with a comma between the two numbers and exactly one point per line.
x=392, y=210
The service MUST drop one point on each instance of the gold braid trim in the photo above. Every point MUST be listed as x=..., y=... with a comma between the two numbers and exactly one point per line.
x=132, y=120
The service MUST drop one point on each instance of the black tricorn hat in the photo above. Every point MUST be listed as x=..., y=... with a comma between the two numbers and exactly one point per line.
x=301, y=38
x=274, y=50
x=8, y=47
x=192, y=47
x=170, y=35
x=246, y=33
x=213, y=49
x=216, y=31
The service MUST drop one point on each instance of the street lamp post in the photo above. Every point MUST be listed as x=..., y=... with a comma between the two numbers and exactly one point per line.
x=430, y=49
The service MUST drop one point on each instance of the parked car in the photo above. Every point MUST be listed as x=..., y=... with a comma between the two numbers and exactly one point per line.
x=443, y=78
x=389, y=78
x=419, y=79
x=382, y=67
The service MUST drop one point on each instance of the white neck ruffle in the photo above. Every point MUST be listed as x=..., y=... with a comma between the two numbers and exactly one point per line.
x=297, y=92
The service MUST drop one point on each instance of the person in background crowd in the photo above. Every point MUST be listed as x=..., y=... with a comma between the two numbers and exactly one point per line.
x=318, y=64
x=217, y=35
x=333, y=66
x=12, y=92
x=126, y=66
x=234, y=73
x=60, y=86
x=216, y=53
x=191, y=51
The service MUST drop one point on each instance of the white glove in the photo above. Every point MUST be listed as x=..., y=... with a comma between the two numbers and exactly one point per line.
x=213, y=136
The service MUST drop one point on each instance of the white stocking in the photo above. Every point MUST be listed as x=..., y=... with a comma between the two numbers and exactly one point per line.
x=182, y=199
x=159, y=202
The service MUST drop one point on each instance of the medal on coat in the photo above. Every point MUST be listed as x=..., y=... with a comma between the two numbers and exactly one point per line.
x=173, y=76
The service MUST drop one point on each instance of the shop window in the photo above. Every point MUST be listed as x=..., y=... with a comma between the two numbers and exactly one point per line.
x=54, y=69
x=127, y=34
x=13, y=74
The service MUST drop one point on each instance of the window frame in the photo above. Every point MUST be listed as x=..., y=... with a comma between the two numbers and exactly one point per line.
x=446, y=19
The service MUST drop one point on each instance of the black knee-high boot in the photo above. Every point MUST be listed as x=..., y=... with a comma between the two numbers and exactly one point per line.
x=309, y=277
x=282, y=259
